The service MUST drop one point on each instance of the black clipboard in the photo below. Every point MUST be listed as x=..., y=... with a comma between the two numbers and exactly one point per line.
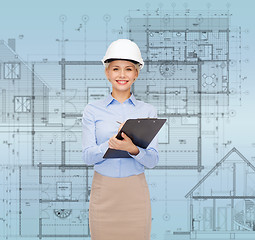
x=140, y=130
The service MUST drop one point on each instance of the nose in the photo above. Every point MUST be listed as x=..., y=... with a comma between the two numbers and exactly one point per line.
x=122, y=73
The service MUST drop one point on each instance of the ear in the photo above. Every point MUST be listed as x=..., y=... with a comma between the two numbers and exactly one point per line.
x=136, y=76
x=137, y=73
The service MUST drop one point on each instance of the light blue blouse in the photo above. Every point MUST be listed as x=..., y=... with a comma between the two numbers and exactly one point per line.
x=99, y=124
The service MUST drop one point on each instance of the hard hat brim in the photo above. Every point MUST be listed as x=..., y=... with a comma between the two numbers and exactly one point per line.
x=114, y=59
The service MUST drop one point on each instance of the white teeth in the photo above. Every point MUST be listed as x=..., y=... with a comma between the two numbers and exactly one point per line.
x=121, y=81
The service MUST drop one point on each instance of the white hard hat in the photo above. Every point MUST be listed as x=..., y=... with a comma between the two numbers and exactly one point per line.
x=123, y=49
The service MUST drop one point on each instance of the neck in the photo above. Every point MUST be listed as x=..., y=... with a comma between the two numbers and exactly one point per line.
x=121, y=97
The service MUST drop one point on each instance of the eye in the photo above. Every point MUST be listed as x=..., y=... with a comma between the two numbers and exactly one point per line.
x=115, y=69
x=129, y=69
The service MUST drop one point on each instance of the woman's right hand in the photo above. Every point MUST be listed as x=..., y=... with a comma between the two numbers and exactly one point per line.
x=126, y=144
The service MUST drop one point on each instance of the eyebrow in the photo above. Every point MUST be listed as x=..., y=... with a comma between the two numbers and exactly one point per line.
x=126, y=66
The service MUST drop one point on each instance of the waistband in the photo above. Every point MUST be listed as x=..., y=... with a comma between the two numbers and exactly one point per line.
x=111, y=180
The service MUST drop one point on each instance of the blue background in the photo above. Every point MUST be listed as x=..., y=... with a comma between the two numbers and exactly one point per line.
x=36, y=26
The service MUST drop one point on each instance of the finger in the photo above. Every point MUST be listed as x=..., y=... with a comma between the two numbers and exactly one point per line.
x=112, y=145
x=112, y=142
x=125, y=136
x=112, y=138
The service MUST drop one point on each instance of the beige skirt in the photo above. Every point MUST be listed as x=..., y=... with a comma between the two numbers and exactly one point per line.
x=119, y=208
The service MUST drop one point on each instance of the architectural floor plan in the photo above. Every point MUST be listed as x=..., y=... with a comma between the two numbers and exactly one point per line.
x=192, y=71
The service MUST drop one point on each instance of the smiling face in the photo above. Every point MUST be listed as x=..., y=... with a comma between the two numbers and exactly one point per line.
x=121, y=74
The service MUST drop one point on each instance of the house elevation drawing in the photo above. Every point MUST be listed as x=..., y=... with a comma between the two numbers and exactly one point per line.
x=203, y=186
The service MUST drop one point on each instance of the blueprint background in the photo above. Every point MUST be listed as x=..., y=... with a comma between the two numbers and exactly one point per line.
x=35, y=25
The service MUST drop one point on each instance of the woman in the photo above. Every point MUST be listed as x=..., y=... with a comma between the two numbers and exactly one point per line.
x=119, y=206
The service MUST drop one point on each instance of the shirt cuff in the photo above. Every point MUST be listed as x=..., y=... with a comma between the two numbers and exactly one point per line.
x=140, y=155
x=103, y=147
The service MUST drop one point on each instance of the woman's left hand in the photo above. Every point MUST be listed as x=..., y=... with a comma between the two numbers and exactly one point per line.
x=121, y=125
x=126, y=144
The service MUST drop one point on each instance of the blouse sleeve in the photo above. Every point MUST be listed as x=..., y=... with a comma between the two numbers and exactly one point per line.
x=91, y=152
x=149, y=156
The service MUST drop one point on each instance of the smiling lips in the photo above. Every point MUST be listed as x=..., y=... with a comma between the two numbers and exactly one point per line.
x=122, y=82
